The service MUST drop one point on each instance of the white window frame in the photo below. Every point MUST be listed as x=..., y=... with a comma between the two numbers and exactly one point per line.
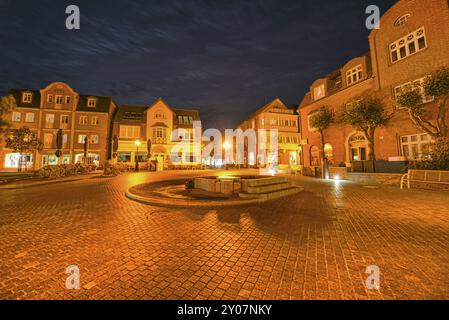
x=319, y=92
x=129, y=132
x=406, y=43
x=49, y=116
x=91, y=102
x=159, y=133
x=418, y=83
x=356, y=72
x=50, y=98
x=16, y=116
x=420, y=142
x=63, y=118
x=81, y=138
x=84, y=120
x=27, y=97
x=29, y=117
x=68, y=99
x=59, y=100
x=95, y=121
x=94, y=139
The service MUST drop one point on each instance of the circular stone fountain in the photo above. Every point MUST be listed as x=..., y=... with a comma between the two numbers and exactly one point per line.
x=214, y=191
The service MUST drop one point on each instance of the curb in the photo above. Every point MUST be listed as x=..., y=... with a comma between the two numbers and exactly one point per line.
x=198, y=203
x=42, y=183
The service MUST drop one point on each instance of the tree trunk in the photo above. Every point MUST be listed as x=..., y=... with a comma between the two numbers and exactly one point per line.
x=369, y=133
x=442, y=126
x=19, y=163
x=418, y=122
x=324, y=166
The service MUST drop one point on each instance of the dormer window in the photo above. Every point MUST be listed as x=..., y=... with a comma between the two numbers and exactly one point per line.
x=91, y=102
x=27, y=97
x=402, y=20
x=319, y=92
x=354, y=75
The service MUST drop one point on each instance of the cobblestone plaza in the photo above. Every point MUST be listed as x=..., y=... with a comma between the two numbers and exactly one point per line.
x=314, y=245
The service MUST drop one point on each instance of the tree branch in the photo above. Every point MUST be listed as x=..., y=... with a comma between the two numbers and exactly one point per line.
x=422, y=124
x=442, y=126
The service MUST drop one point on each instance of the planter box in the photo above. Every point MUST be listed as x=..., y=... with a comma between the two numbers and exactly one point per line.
x=376, y=178
x=379, y=166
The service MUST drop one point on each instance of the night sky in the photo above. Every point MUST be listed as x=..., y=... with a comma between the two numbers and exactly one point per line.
x=226, y=58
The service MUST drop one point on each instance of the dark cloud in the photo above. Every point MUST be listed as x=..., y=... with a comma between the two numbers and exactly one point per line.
x=226, y=58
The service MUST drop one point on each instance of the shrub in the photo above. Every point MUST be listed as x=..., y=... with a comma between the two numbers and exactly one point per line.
x=114, y=169
x=439, y=158
x=65, y=170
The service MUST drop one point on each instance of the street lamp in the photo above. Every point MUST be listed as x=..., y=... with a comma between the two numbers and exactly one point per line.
x=137, y=143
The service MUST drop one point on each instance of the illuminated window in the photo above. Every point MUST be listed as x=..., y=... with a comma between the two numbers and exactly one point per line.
x=16, y=117
x=48, y=140
x=319, y=92
x=29, y=117
x=81, y=138
x=14, y=160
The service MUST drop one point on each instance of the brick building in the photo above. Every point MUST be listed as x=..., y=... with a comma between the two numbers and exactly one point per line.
x=275, y=115
x=134, y=126
x=55, y=107
x=412, y=42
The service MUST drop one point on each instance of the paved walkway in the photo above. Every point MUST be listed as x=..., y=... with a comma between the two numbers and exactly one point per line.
x=315, y=245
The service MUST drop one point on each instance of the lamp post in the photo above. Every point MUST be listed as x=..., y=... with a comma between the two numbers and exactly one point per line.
x=137, y=143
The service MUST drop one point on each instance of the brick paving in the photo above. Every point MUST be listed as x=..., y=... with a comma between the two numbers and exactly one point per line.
x=315, y=245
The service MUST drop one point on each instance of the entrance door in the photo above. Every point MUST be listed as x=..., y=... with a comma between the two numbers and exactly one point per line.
x=160, y=159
